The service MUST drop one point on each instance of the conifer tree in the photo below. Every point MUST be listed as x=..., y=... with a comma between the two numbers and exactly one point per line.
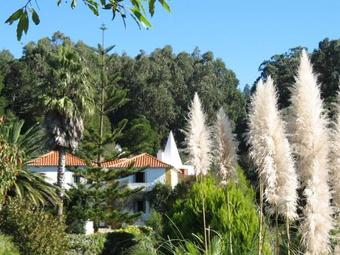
x=104, y=193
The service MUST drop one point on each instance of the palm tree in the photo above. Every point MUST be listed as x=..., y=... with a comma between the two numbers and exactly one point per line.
x=10, y=160
x=24, y=146
x=66, y=99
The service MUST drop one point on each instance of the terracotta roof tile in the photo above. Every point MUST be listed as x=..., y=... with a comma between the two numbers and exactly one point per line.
x=51, y=159
x=139, y=161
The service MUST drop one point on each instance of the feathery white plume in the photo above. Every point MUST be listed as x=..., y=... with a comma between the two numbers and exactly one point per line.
x=336, y=158
x=198, y=138
x=225, y=148
x=311, y=145
x=271, y=151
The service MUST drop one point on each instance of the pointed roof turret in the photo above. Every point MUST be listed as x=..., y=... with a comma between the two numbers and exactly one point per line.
x=171, y=154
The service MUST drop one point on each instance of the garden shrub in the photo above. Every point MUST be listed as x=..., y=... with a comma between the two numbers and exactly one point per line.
x=117, y=242
x=155, y=221
x=34, y=231
x=7, y=247
x=242, y=222
x=76, y=210
x=86, y=244
x=146, y=245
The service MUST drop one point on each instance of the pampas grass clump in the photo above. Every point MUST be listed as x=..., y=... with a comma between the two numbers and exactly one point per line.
x=271, y=151
x=336, y=158
x=198, y=139
x=224, y=148
x=311, y=145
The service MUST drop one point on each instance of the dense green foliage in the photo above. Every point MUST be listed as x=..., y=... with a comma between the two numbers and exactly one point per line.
x=24, y=146
x=119, y=242
x=158, y=86
x=241, y=221
x=140, y=137
x=6, y=246
x=326, y=63
x=10, y=162
x=144, y=97
x=98, y=201
x=34, y=231
x=86, y=244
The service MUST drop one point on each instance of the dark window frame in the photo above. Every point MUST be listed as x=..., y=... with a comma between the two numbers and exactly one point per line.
x=140, y=177
x=140, y=206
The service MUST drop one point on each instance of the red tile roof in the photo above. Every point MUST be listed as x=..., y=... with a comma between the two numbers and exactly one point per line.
x=51, y=159
x=139, y=161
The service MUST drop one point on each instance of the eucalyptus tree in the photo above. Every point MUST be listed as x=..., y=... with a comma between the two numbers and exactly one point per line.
x=66, y=100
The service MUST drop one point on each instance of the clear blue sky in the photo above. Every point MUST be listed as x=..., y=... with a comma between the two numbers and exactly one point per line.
x=241, y=32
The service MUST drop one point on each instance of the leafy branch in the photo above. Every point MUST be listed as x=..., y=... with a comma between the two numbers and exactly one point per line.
x=135, y=9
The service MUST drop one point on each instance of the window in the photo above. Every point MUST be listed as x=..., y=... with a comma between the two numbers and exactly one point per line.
x=140, y=206
x=140, y=177
x=76, y=179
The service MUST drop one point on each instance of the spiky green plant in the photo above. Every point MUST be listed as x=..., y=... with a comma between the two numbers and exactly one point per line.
x=26, y=145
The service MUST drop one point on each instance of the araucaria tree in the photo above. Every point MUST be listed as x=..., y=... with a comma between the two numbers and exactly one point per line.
x=65, y=102
x=311, y=144
x=271, y=153
x=225, y=156
x=198, y=139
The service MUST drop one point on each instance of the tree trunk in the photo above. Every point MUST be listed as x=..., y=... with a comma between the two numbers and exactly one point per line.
x=95, y=226
x=61, y=178
x=102, y=104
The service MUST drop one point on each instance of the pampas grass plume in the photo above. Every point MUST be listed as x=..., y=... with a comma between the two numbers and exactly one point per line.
x=271, y=151
x=224, y=148
x=198, y=139
x=311, y=144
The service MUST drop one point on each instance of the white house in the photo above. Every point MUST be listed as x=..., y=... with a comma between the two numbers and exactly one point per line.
x=153, y=171
x=47, y=164
x=165, y=169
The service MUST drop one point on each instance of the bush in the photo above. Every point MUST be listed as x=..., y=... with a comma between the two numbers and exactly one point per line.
x=86, y=244
x=34, y=231
x=118, y=242
x=162, y=197
x=76, y=210
x=241, y=222
x=7, y=247
x=155, y=221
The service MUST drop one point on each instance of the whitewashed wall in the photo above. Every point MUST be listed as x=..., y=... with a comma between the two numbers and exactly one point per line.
x=50, y=173
x=152, y=177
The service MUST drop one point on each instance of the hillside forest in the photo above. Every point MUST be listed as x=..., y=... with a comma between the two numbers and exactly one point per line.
x=151, y=92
